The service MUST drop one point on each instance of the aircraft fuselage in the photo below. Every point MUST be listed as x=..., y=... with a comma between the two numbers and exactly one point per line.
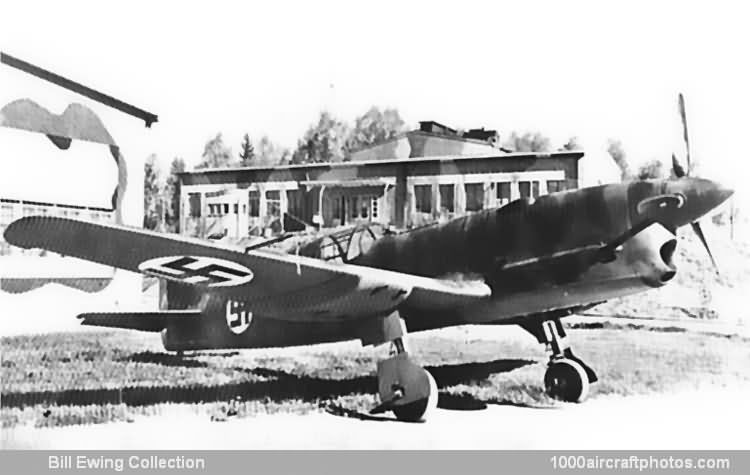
x=477, y=246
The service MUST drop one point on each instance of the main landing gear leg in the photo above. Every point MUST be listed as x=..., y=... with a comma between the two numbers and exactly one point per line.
x=567, y=377
x=404, y=387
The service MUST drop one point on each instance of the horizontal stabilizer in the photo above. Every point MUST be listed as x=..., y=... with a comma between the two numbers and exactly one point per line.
x=143, y=321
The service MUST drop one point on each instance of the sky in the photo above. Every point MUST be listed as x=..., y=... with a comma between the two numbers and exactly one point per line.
x=595, y=70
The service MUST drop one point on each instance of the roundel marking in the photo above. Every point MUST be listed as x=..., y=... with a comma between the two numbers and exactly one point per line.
x=210, y=271
x=660, y=202
x=238, y=316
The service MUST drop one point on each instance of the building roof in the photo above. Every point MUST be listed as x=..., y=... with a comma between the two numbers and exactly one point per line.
x=354, y=183
x=576, y=154
x=475, y=136
x=480, y=134
x=436, y=128
x=79, y=88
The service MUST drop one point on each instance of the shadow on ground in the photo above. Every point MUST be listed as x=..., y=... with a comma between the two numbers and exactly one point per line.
x=265, y=384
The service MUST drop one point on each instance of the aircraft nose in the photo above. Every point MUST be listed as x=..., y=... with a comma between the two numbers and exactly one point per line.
x=701, y=196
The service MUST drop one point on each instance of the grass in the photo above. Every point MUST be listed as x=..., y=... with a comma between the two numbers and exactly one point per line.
x=63, y=379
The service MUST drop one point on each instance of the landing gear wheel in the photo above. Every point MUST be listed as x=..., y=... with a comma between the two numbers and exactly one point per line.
x=566, y=380
x=405, y=388
x=420, y=409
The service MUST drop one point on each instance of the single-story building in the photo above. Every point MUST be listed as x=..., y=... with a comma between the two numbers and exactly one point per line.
x=399, y=192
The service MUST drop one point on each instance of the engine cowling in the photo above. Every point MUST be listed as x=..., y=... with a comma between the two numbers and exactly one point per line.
x=650, y=253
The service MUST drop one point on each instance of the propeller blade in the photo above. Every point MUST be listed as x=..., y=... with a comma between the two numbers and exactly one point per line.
x=697, y=228
x=677, y=169
x=683, y=115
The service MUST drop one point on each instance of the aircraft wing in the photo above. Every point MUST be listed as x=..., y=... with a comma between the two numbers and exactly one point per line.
x=282, y=286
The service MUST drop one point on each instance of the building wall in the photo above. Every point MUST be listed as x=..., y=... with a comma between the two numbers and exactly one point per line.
x=424, y=144
x=396, y=148
x=226, y=208
x=402, y=193
x=493, y=190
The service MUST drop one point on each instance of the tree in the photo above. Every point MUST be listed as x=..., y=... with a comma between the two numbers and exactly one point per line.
x=323, y=142
x=528, y=142
x=572, y=144
x=248, y=152
x=728, y=216
x=651, y=169
x=172, y=194
x=268, y=153
x=374, y=127
x=152, y=200
x=616, y=151
x=286, y=157
x=215, y=154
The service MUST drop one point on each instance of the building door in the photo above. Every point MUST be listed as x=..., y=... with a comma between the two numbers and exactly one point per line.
x=360, y=208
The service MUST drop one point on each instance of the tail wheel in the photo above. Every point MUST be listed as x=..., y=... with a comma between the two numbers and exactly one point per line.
x=420, y=409
x=566, y=380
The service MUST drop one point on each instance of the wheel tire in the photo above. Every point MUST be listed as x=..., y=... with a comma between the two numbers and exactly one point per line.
x=566, y=380
x=418, y=411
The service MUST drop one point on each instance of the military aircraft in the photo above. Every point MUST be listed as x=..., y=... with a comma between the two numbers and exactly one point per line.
x=528, y=263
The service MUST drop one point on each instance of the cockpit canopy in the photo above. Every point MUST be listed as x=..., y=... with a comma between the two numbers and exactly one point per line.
x=344, y=245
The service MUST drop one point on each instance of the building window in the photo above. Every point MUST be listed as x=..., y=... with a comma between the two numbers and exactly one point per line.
x=474, y=196
x=353, y=208
x=553, y=186
x=28, y=211
x=337, y=209
x=528, y=189
x=423, y=198
x=361, y=207
x=503, y=192
x=195, y=204
x=226, y=208
x=6, y=215
x=254, y=202
x=273, y=202
x=447, y=198
x=524, y=189
x=236, y=208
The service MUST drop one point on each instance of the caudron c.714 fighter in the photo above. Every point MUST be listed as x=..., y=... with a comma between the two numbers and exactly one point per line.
x=527, y=263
